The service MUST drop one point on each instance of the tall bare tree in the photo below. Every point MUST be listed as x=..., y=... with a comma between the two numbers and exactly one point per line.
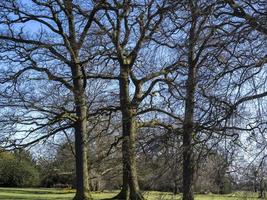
x=130, y=27
x=52, y=38
x=202, y=84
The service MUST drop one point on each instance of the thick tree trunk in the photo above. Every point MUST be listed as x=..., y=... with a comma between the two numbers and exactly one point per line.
x=188, y=131
x=81, y=134
x=262, y=193
x=130, y=189
x=79, y=85
x=176, y=187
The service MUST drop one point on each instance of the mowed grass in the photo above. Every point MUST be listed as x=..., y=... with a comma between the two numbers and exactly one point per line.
x=67, y=194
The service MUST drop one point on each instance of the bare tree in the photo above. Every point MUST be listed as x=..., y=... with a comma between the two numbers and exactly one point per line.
x=253, y=12
x=204, y=84
x=51, y=38
x=129, y=28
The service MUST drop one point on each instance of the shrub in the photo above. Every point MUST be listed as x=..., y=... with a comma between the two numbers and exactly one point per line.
x=17, y=172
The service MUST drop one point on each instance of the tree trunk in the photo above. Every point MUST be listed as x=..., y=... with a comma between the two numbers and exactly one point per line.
x=81, y=134
x=188, y=131
x=130, y=189
x=176, y=187
x=262, y=189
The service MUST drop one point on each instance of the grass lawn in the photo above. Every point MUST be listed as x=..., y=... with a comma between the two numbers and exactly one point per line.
x=67, y=194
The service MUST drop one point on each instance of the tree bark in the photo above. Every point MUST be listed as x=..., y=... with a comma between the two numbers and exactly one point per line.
x=81, y=134
x=262, y=188
x=188, y=131
x=130, y=189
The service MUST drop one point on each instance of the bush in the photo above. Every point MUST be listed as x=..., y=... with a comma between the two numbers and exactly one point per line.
x=56, y=179
x=17, y=172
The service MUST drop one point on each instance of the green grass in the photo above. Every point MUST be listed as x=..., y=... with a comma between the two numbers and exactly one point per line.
x=67, y=194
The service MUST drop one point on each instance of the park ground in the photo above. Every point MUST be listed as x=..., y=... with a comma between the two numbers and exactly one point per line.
x=67, y=194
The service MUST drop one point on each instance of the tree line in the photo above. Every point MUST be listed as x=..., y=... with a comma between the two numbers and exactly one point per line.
x=159, y=77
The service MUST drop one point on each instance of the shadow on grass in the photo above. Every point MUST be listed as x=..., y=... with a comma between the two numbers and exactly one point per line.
x=35, y=191
x=32, y=198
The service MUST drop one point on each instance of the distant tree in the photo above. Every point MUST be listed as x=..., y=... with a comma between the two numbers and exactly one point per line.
x=60, y=168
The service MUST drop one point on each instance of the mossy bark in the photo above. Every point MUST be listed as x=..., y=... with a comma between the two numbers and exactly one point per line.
x=188, y=131
x=81, y=134
x=188, y=125
x=80, y=101
x=130, y=189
